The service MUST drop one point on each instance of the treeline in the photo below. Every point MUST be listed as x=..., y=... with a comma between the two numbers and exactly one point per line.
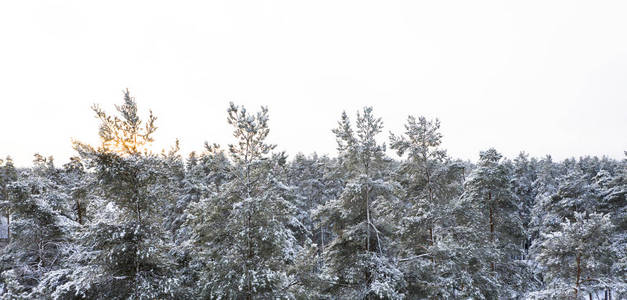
x=247, y=222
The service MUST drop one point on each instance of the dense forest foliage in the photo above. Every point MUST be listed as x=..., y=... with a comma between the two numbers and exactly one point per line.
x=246, y=222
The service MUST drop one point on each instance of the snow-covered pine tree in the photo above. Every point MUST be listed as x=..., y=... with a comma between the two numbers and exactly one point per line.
x=204, y=175
x=75, y=181
x=544, y=187
x=171, y=187
x=489, y=208
x=574, y=193
x=560, y=195
x=585, y=188
x=40, y=230
x=242, y=232
x=315, y=181
x=610, y=189
x=8, y=174
x=523, y=176
x=124, y=249
x=358, y=261
x=430, y=181
x=306, y=175
x=421, y=141
x=315, y=184
x=575, y=258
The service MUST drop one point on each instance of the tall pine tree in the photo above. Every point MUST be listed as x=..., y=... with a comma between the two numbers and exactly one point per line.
x=358, y=261
x=125, y=251
x=243, y=232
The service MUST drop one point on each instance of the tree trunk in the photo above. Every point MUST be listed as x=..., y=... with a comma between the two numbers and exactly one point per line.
x=432, y=243
x=322, y=238
x=367, y=271
x=491, y=226
x=577, y=282
x=250, y=256
x=424, y=157
x=138, y=213
x=368, y=221
x=79, y=214
x=8, y=227
x=6, y=198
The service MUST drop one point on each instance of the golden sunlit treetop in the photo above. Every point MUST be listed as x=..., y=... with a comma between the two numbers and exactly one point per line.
x=125, y=134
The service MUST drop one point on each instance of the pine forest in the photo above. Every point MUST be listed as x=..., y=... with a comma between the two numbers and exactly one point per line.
x=390, y=216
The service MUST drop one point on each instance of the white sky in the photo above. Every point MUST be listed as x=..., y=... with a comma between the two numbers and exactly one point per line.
x=546, y=77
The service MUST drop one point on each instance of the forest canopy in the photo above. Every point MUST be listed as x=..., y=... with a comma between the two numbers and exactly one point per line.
x=243, y=221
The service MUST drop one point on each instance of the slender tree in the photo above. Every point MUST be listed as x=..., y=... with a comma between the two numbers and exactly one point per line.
x=358, y=262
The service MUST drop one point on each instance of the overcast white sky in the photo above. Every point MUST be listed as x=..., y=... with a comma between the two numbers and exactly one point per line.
x=546, y=77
